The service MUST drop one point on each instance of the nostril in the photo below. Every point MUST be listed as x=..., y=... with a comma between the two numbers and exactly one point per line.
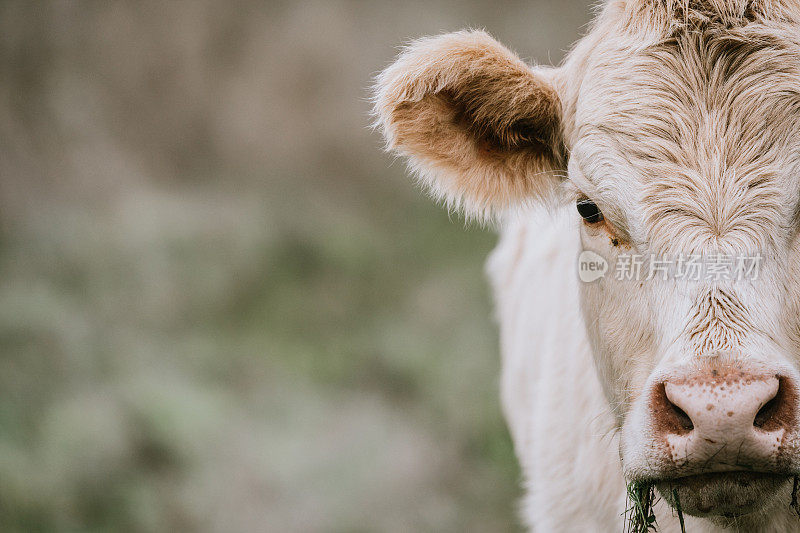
x=683, y=419
x=766, y=413
x=765, y=403
x=775, y=413
x=668, y=416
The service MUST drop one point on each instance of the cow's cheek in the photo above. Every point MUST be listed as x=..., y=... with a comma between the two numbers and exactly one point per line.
x=621, y=334
x=602, y=324
x=790, y=308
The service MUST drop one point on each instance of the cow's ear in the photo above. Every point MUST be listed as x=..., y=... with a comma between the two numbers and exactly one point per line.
x=480, y=128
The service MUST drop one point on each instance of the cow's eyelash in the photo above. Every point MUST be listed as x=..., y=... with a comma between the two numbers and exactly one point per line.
x=573, y=193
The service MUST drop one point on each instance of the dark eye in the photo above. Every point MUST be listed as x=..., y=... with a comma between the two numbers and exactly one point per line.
x=589, y=211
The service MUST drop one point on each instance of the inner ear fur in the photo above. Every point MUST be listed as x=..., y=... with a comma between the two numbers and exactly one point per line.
x=480, y=127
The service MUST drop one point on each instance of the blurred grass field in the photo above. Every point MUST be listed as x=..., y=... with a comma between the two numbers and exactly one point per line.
x=222, y=306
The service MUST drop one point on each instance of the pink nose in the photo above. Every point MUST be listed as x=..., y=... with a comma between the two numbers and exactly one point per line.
x=724, y=421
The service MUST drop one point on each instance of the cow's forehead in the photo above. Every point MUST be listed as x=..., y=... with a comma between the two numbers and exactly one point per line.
x=709, y=125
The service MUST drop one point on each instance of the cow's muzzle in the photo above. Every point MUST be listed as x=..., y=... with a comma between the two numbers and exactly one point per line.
x=724, y=437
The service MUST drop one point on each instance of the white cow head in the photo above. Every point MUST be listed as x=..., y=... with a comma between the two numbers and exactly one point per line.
x=676, y=127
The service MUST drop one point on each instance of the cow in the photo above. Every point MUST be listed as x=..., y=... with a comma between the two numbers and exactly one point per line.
x=669, y=136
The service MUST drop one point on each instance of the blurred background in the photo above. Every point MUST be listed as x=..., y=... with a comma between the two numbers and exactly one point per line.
x=222, y=306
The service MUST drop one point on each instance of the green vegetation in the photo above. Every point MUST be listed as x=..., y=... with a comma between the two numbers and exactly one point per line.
x=639, y=515
x=222, y=307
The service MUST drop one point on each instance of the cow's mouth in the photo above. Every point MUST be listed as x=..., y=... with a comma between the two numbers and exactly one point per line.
x=726, y=494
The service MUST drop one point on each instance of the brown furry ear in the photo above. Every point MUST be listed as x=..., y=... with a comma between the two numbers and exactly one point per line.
x=481, y=129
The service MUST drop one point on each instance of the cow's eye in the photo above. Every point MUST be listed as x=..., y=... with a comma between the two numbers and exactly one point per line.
x=589, y=211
